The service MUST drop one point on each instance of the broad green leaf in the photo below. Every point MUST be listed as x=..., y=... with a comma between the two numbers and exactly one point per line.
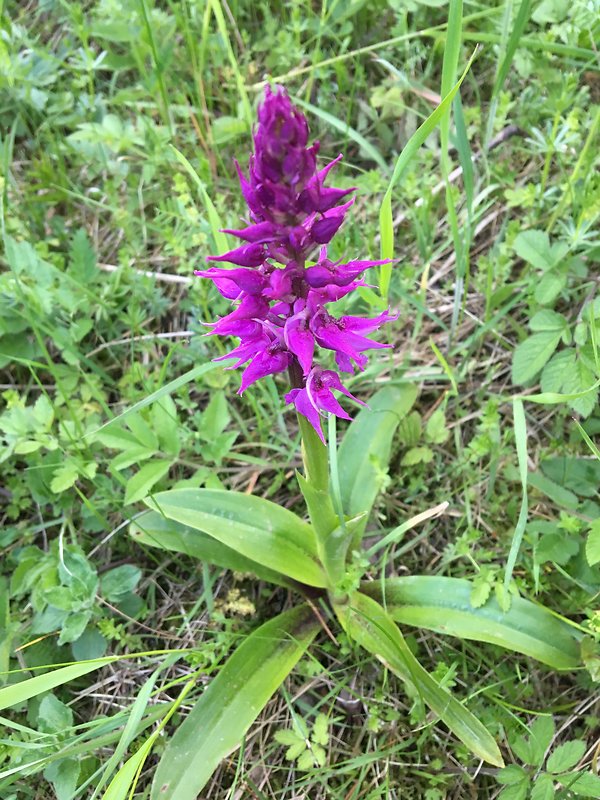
x=443, y=605
x=231, y=702
x=64, y=477
x=512, y=775
x=592, y=545
x=53, y=715
x=534, y=247
x=550, y=286
x=566, y=756
x=369, y=625
x=256, y=528
x=560, y=495
x=140, y=484
x=364, y=453
x=532, y=749
x=120, y=581
x=582, y=784
x=532, y=354
x=152, y=528
x=548, y=320
x=166, y=424
x=436, y=430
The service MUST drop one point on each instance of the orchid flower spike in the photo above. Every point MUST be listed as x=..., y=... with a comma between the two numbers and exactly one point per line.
x=281, y=317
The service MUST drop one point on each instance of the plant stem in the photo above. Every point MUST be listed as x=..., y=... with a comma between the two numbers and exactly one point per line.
x=314, y=457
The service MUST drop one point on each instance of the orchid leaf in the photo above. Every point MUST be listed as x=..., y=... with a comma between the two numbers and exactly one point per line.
x=364, y=453
x=233, y=700
x=256, y=528
x=443, y=605
x=155, y=530
x=369, y=625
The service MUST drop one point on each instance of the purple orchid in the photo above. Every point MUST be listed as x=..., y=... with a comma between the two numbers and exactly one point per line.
x=281, y=317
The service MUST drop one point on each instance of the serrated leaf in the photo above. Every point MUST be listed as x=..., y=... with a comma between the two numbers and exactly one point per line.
x=165, y=422
x=436, y=430
x=319, y=754
x=542, y=730
x=534, y=247
x=517, y=791
x=120, y=581
x=579, y=379
x=289, y=738
x=554, y=372
x=543, y=788
x=142, y=482
x=417, y=455
x=256, y=528
x=503, y=596
x=443, y=605
x=566, y=756
x=231, y=702
x=320, y=731
x=64, y=477
x=142, y=431
x=547, y=320
x=82, y=257
x=295, y=750
x=511, y=775
x=582, y=784
x=410, y=429
x=531, y=355
x=592, y=544
x=155, y=530
x=480, y=592
x=365, y=621
x=549, y=287
x=306, y=760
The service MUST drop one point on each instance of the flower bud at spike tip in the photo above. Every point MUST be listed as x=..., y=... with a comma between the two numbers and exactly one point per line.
x=280, y=316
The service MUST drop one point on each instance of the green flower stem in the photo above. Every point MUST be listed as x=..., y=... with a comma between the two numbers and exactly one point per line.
x=314, y=485
x=314, y=456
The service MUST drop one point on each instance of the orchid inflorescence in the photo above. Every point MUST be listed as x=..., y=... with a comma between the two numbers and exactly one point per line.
x=281, y=315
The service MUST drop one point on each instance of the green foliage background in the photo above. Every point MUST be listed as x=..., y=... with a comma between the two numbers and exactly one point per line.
x=119, y=120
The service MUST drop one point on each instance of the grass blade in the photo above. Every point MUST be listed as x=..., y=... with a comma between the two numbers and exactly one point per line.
x=167, y=389
x=509, y=53
x=346, y=130
x=386, y=223
x=520, y=428
x=216, y=223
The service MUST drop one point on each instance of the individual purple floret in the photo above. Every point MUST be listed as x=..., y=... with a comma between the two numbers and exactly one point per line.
x=283, y=280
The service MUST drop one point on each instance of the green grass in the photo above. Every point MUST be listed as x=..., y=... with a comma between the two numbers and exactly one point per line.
x=119, y=122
